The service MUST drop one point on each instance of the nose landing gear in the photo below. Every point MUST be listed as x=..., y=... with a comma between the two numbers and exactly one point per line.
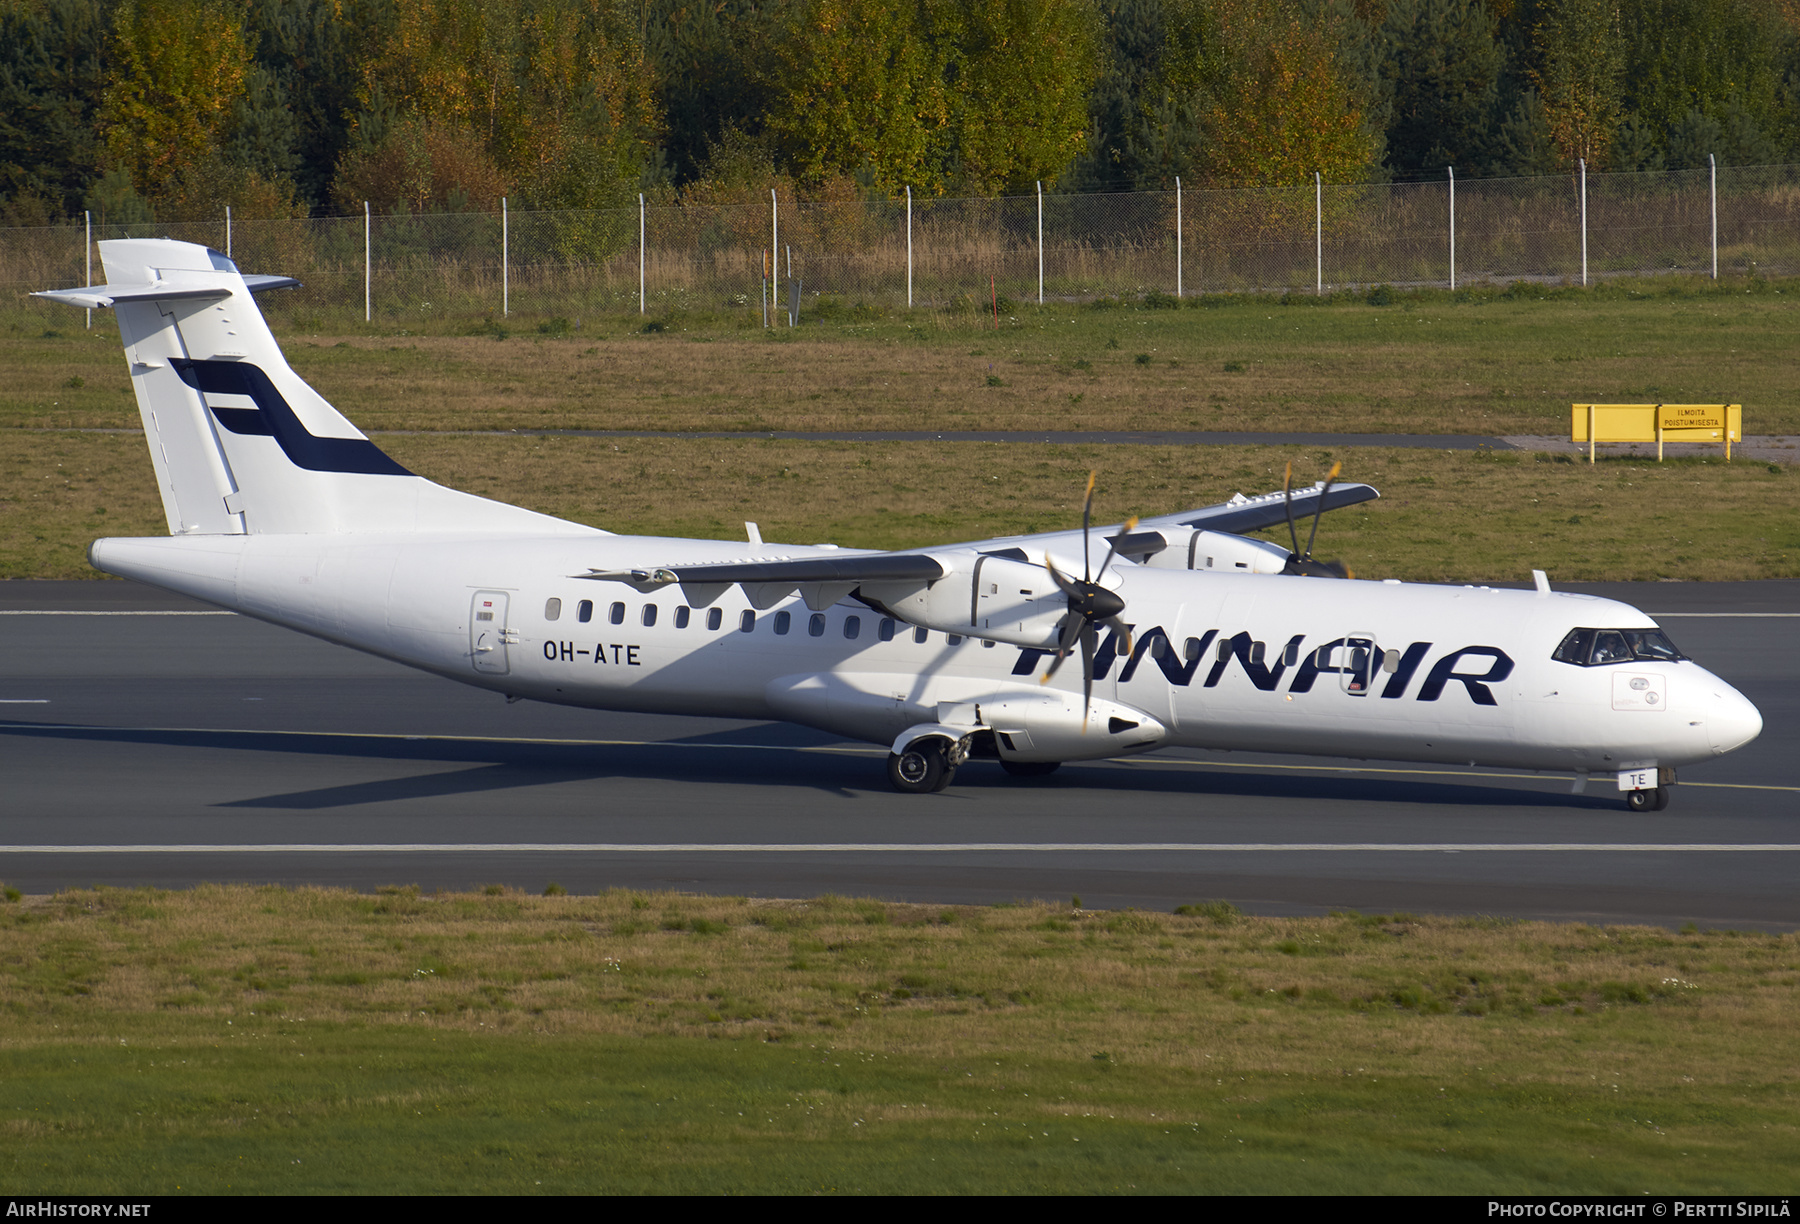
x=1653, y=800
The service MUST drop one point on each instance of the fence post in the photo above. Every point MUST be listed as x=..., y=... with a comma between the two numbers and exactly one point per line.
x=774, y=245
x=1712, y=171
x=366, y=286
x=640, y=252
x=1318, y=234
x=1040, y=195
x=228, y=231
x=1452, y=170
x=1582, y=162
x=505, y=283
x=87, y=219
x=909, y=247
x=1177, y=235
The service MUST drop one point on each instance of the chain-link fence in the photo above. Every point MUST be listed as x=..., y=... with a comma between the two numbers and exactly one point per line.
x=965, y=254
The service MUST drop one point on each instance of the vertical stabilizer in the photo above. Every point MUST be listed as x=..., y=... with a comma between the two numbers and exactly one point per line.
x=240, y=443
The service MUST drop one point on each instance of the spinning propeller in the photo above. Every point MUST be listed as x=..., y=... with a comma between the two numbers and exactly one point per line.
x=1302, y=563
x=1090, y=604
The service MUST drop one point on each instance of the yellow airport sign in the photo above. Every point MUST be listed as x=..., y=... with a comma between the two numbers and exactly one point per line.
x=1721, y=424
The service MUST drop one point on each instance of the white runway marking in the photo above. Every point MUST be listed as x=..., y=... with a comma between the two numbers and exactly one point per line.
x=24, y=701
x=917, y=848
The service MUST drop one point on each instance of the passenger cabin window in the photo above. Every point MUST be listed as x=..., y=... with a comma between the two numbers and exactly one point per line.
x=852, y=627
x=746, y=621
x=884, y=629
x=815, y=625
x=616, y=614
x=681, y=616
x=649, y=615
x=783, y=621
x=552, y=609
x=920, y=633
x=953, y=639
x=1598, y=647
x=584, y=611
x=1190, y=650
x=714, y=618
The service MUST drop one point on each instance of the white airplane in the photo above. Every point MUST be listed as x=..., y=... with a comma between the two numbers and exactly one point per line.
x=1189, y=633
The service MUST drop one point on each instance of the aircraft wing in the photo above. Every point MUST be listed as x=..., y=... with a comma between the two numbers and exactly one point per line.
x=877, y=567
x=1242, y=514
x=824, y=579
x=821, y=581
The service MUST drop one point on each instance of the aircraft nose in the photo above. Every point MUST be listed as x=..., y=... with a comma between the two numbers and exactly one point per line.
x=1731, y=721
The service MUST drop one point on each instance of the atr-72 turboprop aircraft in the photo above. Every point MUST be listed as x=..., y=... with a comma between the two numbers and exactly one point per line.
x=1189, y=633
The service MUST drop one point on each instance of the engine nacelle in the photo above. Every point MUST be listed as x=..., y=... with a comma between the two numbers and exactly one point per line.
x=1218, y=550
x=992, y=597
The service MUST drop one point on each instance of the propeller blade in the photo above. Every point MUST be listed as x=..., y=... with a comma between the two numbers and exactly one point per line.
x=1087, y=506
x=1089, y=643
x=1287, y=500
x=1067, y=631
x=1064, y=585
x=1123, y=630
x=1113, y=545
x=1319, y=511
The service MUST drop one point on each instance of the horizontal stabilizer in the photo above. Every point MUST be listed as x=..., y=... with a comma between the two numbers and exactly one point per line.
x=99, y=297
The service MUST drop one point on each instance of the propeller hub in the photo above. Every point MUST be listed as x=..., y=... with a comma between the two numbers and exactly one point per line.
x=1093, y=602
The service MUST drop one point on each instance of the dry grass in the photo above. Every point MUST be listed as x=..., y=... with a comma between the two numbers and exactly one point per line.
x=1430, y=363
x=1443, y=516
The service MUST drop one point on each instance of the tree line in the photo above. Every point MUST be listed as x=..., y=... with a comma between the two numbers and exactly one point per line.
x=142, y=110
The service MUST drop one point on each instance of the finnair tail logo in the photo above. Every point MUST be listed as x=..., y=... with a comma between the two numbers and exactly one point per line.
x=1358, y=664
x=273, y=417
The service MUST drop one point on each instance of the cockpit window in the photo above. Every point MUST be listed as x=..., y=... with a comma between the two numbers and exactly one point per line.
x=1597, y=647
x=1610, y=647
x=1652, y=644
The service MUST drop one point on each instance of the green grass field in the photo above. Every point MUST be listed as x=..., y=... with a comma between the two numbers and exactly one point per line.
x=268, y=1040
x=1482, y=361
x=1456, y=516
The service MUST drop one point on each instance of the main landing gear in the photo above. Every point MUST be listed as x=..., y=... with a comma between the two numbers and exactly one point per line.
x=923, y=768
x=929, y=763
x=1652, y=800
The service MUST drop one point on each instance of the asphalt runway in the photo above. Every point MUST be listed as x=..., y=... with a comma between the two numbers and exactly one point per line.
x=148, y=742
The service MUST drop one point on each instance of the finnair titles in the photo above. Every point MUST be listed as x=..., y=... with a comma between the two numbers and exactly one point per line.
x=1185, y=633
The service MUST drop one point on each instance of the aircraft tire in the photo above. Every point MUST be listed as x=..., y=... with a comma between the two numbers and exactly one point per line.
x=922, y=769
x=1652, y=800
x=1029, y=769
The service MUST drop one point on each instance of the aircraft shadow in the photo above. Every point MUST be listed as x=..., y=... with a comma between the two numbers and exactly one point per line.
x=491, y=766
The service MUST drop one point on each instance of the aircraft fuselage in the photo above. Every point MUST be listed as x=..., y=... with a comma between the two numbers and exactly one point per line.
x=1218, y=660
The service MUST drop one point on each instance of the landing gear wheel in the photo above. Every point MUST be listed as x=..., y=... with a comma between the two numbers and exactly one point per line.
x=1653, y=800
x=922, y=769
x=1029, y=769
